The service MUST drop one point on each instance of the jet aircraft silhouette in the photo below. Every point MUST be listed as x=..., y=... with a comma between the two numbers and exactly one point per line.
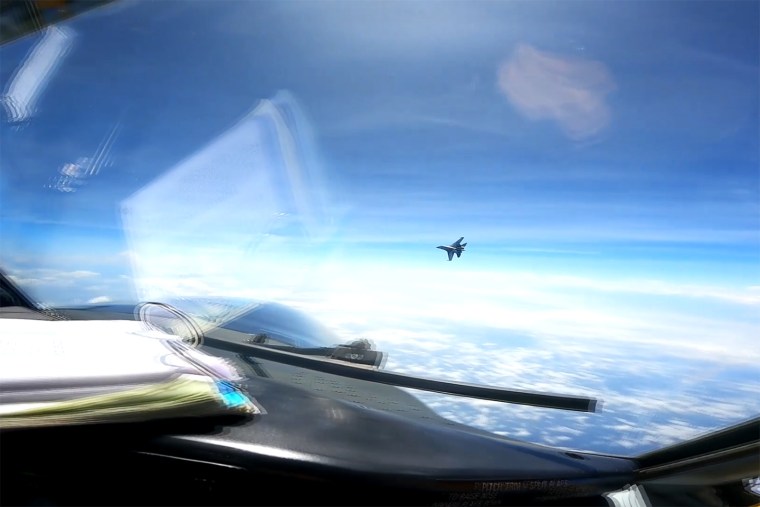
x=456, y=247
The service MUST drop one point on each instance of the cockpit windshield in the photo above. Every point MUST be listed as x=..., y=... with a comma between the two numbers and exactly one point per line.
x=292, y=171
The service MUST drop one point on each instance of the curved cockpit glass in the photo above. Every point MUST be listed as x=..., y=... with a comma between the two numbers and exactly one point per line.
x=549, y=196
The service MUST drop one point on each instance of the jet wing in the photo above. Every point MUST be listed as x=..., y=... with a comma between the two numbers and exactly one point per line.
x=451, y=254
x=457, y=242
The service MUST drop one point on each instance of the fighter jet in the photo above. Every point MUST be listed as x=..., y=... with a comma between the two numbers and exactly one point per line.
x=456, y=247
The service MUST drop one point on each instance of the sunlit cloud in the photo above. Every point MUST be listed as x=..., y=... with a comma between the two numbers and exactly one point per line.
x=43, y=277
x=570, y=91
x=649, y=399
x=594, y=312
x=58, y=286
x=387, y=303
x=745, y=296
x=99, y=300
x=657, y=387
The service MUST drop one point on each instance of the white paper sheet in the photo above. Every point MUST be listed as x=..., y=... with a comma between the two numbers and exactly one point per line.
x=63, y=353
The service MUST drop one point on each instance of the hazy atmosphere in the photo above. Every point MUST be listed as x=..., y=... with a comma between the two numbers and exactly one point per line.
x=600, y=160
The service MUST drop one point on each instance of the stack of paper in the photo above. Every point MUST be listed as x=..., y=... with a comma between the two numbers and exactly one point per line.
x=77, y=372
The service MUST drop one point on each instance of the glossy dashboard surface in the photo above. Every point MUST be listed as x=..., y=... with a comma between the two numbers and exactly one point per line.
x=316, y=427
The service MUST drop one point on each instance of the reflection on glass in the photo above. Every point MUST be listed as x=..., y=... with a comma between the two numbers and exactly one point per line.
x=32, y=75
x=249, y=198
x=600, y=158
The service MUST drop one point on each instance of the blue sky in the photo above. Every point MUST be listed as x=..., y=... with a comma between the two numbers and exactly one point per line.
x=600, y=158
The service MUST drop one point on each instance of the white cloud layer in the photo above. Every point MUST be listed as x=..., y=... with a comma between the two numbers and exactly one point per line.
x=664, y=371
